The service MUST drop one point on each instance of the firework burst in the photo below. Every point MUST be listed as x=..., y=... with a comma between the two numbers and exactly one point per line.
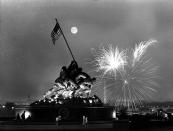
x=128, y=76
x=110, y=61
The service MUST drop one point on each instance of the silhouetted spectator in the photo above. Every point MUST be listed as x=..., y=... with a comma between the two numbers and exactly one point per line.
x=86, y=121
x=18, y=116
x=83, y=120
x=23, y=116
x=58, y=119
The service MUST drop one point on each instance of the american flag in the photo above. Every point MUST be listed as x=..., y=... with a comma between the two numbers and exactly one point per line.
x=56, y=32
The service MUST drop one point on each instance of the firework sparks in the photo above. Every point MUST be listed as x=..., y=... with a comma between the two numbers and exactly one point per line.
x=110, y=60
x=128, y=75
x=141, y=49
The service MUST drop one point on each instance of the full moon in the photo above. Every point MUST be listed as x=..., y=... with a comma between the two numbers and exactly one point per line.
x=74, y=30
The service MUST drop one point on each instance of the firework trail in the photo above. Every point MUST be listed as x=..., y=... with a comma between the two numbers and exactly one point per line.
x=127, y=76
x=141, y=49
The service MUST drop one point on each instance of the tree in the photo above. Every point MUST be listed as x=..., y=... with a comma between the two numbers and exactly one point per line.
x=9, y=105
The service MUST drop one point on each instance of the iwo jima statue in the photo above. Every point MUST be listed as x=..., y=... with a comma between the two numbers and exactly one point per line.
x=72, y=83
x=69, y=98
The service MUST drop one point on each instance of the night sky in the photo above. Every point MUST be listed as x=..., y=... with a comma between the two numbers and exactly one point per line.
x=29, y=62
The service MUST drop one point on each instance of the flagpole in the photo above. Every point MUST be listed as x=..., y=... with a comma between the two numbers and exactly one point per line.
x=66, y=41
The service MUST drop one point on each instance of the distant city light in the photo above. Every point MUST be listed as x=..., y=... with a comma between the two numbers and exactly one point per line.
x=166, y=115
x=90, y=101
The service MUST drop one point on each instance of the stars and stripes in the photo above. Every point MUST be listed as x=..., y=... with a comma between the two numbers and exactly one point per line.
x=56, y=32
